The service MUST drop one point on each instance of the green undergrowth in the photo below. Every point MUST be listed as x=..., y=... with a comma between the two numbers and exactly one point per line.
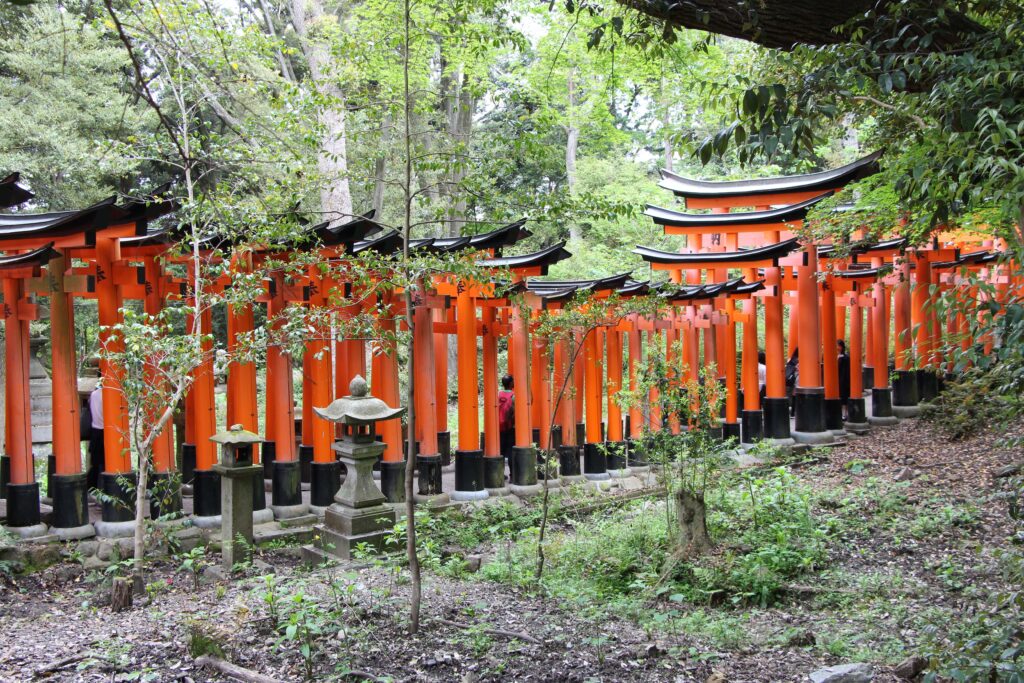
x=764, y=528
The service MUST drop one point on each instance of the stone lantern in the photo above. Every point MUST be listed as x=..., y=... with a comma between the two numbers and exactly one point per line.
x=359, y=514
x=238, y=476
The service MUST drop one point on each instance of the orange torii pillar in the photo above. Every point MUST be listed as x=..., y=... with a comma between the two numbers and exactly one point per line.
x=22, y=490
x=881, y=393
x=428, y=457
x=120, y=507
x=68, y=486
x=206, y=496
x=165, y=496
x=469, y=458
x=595, y=461
x=904, y=386
x=776, y=405
x=242, y=406
x=615, y=444
x=856, y=418
x=546, y=426
x=809, y=395
x=635, y=419
x=385, y=387
x=324, y=469
x=830, y=359
x=564, y=398
x=731, y=425
x=924, y=321
x=538, y=374
x=655, y=348
x=286, y=485
x=751, y=417
x=444, y=437
x=524, y=458
x=494, y=463
x=579, y=378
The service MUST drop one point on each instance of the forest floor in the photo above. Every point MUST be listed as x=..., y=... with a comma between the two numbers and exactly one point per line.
x=911, y=527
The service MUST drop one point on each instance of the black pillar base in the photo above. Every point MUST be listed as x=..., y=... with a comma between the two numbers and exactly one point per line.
x=595, y=459
x=164, y=494
x=392, y=480
x=469, y=470
x=429, y=467
x=69, y=493
x=259, y=494
x=268, y=454
x=23, y=504
x=751, y=426
x=535, y=435
x=904, y=389
x=206, y=493
x=285, y=484
x=833, y=413
x=628, y=426
x=494, y=472
x=615, y=452
x=51, y=472
x=444, y=447
x=5, y=474
x=810, y=409
x=927, y=385
x=731, y=430
x=556, y=437
x=523, y=466
x=881, y=403
x=122, y=507
x=324, y=482
x=305, y=461
x=636, y=454
x=857, y=411
x=188, y=462
x=776, y=418
x=569, y=461
x=867, y=376
x=581, y=433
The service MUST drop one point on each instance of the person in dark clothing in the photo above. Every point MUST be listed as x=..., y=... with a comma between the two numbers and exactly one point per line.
x=96, y=454
x=507, y=420
x=844, y=377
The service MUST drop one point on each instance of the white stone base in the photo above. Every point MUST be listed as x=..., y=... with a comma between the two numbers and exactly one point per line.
x=34, y=531
x=465, y=496
x=114, y=529
x=75, y=533
x=526, y=491
x=905, y=412
x=814, y=438
x=207, y=521
x=858, y=428
x=883, y=421
x=597, y=476
x=289, y=511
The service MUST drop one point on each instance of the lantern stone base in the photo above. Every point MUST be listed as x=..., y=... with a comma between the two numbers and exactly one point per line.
x=236, y=510
x=345, y=528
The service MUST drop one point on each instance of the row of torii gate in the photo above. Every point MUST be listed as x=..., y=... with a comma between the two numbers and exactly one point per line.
x=879, y=295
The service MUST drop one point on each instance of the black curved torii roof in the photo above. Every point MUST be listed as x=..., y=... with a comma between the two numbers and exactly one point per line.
x=771, y=252
x=100, y=215
x=11, y=193
x=602, y=284
x=735, y=221
x=36, y=257
x=346, y=232
x=821, y=181
x=390, y=242
x=714, y=289
x=543, y=259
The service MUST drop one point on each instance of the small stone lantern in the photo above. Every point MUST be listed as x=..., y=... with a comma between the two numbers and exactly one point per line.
x=359, y=513
x=238, y=475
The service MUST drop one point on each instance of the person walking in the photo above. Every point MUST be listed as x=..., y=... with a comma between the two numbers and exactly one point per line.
x=96, y=455
x=844, y=378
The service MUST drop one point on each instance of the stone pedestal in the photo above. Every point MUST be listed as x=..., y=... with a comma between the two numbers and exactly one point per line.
x=236, y=510
x=359, y=513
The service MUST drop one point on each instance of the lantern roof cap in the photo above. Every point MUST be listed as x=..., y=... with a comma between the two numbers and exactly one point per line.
x=359, y=408
x=236, y=435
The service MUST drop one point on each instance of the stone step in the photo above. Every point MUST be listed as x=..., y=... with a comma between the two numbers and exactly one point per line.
x=295, y=534
x=301, y=520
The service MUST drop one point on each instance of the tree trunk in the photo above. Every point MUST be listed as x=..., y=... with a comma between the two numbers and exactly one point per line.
x=379, y=168
x=332, y=162
x=572, y=138
x=121, y=594
x=460, y=129
x=282, y=61
x=691, y=514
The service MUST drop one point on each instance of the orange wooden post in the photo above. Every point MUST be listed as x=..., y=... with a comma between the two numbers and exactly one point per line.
x=881, y=392
x=857, y=420
x=206, y=481
x=776, y=405
x=523, y=458
x=564, y=394
x=23, y=514
x=654, y=349
x=576, y=359
x=923, y=319
x=809, y=395
x=904, y=388
x=494, y=464
x=672, y=366
x=444, y=437
x=469, y=465
x=751, y=418
x=324, y=470
x=616, y=447
x=830, y=358
x=117, y=457
x=428, y=458
x=286, y=487
x=68, y=487
x=731, y=426
x=542, y=395
x=311, y=347
x=636, y=416
x=385, y=383
x=595, y=461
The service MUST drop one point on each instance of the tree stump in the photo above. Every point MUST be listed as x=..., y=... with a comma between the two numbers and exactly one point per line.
x=121, y=594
